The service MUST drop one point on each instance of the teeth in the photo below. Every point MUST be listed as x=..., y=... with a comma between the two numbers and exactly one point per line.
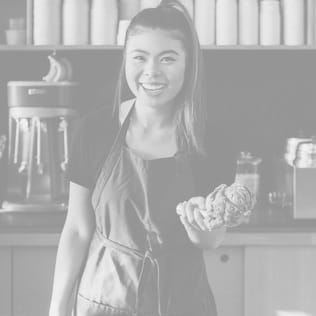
x=149, y=86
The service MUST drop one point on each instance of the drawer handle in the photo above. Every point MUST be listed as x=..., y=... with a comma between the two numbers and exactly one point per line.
x=224, y=258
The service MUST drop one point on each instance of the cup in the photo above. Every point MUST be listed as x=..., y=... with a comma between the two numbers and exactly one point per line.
x=15, y=37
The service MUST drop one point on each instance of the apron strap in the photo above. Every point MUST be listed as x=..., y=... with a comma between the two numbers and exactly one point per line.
x=110, y=161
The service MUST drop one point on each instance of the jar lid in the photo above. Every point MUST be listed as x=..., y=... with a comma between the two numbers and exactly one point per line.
x=246, y=156
x=291, y=147
x=306, y=154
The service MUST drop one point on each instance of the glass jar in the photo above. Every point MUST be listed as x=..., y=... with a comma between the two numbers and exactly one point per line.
x=247, y=172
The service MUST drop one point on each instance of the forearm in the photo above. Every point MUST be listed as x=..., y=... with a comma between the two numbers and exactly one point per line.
x=71, y=255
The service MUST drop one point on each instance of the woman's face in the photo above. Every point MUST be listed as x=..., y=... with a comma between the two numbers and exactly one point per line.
x=155, y=66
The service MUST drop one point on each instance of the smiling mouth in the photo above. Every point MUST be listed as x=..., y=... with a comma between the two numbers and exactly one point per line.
x=153, y=87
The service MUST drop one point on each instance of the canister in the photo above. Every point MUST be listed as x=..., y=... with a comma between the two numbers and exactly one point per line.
x=293, y=22
x=104, y=20
x=144, y=4
x=46, y=22
x=226, y=22
x=75, y=22
x=270, y=22
x=204, y=20
x=248, y=18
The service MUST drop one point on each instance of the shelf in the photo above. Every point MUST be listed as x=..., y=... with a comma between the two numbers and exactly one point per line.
x=30, y=48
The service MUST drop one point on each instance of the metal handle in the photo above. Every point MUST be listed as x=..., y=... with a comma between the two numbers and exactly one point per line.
x=17, y=140
x=63, y=127
x=39, y=164
x=3, y=140
x=24, y=126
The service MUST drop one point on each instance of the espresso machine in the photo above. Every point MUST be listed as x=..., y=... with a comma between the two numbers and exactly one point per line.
x=41, y=117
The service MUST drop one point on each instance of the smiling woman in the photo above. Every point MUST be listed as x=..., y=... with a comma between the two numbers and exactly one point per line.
x=155, y=66
x=123, y=239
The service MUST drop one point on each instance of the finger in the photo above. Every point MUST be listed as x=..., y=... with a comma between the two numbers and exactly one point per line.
x=198, y=201
x=188, y=227
x=199, y=219
x=180, y=208
x=189, y=212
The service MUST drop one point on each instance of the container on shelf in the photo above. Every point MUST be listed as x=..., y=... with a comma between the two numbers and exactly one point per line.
x=104, y=19
x=293, y=22
x=75, y=22
x=144, y=4
x=128, y=9
x=310, y=23
x=121, y=32
x=15, y=37
x=46, y=22
x=248, y=22
x=189, y=5
x=204, y=20
x=226, y=22
x=270, y=22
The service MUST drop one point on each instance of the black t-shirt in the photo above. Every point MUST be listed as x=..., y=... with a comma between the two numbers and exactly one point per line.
x=92, y=138
x=95, y=133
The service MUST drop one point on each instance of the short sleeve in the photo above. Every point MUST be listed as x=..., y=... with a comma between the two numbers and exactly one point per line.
x=78, y=169
x=92, y=137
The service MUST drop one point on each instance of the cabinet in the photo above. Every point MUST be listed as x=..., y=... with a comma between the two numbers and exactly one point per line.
x=280, y=281
x=26, y=275
x=5, y=281
x=33, y=269
x=225, y=270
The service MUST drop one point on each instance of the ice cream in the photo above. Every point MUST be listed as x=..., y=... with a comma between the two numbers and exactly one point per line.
x=228, y=206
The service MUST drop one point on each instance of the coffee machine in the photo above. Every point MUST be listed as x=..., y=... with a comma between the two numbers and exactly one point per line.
x=41, y=117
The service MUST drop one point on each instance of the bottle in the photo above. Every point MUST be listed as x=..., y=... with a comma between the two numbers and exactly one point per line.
x=248, y=22
x=104, y=19
x=76, y=22
x=46, y=22
x=204, y=20
x=247, y=172
x=293, y=22
x=270, y=22
x=226, y=22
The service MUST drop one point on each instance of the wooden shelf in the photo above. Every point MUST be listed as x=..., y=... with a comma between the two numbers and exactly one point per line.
x=30, y=48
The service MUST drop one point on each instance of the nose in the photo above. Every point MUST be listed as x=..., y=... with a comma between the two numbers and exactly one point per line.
x=151, y=69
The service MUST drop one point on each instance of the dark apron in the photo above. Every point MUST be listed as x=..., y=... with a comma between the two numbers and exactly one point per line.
x=140, y=260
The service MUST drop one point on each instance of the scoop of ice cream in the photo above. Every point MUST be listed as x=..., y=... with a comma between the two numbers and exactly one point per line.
x=228, y=206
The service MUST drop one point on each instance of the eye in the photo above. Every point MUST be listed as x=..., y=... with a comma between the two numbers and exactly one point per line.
x=168, y=59
x=139, y=58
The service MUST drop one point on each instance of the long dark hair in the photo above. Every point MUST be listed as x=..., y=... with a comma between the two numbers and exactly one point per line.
x=171, y=15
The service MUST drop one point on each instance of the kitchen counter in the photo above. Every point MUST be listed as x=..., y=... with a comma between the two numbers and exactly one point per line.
x=44, y=228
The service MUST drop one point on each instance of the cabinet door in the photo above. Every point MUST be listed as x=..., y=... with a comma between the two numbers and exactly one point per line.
x=225, y=270
x=280, y=281
x=5, y=281
x=33, y=269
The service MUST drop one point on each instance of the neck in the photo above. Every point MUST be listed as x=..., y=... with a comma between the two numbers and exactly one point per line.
x=153, y=117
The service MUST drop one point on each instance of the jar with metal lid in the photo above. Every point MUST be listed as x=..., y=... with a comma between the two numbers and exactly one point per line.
x=247, y=172
x=291, y=148
x=306, y=154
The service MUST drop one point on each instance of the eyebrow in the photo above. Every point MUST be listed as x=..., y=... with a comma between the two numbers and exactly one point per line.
x=170, y=51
